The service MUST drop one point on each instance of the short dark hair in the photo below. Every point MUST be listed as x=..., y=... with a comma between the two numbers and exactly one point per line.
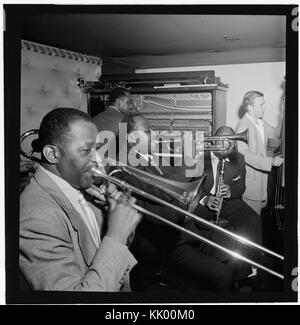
x=117, y=93
x=249, y=98
x=56, y=124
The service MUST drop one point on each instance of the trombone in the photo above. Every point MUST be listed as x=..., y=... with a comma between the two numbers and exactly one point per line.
x=187, y=194
x=243, y=240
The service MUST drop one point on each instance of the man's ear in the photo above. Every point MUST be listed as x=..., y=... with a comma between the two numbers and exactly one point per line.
x=51, y=153
x=117, y=102
x=249, y=108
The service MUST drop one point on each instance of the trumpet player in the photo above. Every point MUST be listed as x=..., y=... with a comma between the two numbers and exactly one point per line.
x=63, y=245
x=162, y=250
x=224, y=186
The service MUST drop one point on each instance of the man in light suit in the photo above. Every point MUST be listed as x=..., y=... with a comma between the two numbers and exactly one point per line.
x=258, y=164
x=65, y=241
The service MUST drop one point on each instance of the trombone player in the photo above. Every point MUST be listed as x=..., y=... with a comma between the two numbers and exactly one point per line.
x=63, y=245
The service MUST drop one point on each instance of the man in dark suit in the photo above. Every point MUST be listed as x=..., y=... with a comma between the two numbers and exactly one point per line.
x=244, y=219
x=119, y=106
x=240, y=216
x=108, y=122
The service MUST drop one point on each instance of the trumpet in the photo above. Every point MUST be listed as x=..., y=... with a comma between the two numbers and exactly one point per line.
x=210, y=143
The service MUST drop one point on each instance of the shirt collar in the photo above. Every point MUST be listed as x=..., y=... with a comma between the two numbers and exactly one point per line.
x=71, y=193
x=255, y=121
x=215, y=158
x=115, y=108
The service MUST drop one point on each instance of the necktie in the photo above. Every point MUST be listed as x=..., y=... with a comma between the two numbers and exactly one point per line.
x=90, y=220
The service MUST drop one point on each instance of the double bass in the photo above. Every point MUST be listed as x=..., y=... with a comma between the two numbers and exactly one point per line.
x=279, y=199
x=276, y=185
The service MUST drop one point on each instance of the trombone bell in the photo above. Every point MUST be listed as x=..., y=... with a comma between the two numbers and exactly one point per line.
x=187, y=194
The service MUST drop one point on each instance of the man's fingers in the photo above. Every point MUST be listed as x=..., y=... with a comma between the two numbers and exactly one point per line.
x=111, y=189
x=132, y=200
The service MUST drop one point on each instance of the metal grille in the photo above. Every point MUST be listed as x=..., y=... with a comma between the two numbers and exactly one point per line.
x=180, y=111
x=184, y=102
x=181, y=125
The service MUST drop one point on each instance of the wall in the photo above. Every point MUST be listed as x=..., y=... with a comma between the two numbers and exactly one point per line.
x=264, y=77
x=49, y=80
x=114, y=68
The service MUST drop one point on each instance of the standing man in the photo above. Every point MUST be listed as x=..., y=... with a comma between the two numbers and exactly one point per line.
x=108, y=122
x=63, y=245
x=258, y=164
x=120, y=104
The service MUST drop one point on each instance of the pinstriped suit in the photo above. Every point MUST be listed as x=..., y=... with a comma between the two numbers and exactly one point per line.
x=56, y=249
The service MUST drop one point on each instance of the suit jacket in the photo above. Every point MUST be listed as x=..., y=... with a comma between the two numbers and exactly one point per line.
x=257, y=163
x=109, y=120
x=56, y=249
x=234, y=175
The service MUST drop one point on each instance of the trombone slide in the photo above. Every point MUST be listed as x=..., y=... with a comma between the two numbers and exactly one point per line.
x=241, y=239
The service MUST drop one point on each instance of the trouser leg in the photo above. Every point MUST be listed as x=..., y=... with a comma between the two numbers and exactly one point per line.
x=205, y=271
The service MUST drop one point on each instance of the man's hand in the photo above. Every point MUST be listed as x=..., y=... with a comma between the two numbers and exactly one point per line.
x=277, y=161
x=212, y=202
x=225, y=191
x=122, y=220
x=101, y=198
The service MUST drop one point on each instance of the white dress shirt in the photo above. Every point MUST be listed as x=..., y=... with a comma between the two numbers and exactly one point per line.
x=214, y=161
x=259, y=124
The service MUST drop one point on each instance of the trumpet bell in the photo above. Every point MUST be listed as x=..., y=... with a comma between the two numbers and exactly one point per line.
x=243, y=136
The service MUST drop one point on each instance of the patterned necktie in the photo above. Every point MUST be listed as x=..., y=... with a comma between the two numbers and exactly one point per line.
x=90, y=220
